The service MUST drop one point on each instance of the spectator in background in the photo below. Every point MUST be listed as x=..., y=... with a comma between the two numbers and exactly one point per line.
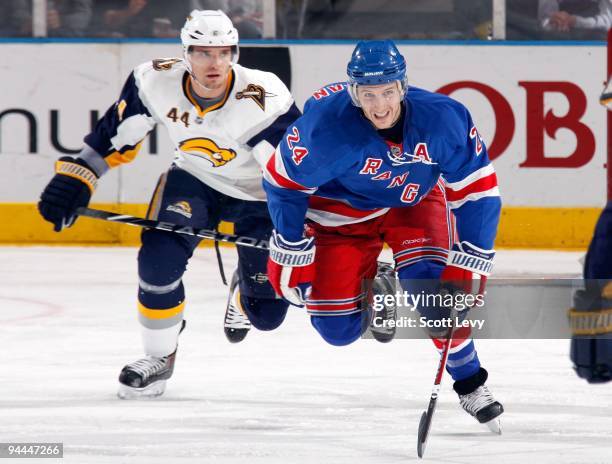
x=68, y=18
x=65, y=18
x=143, y=18
x=163, y=19
x=15, y=18
x=569, y=15
x=222, y=5
x=244, y=16
x=522, y=20
x=473, y=19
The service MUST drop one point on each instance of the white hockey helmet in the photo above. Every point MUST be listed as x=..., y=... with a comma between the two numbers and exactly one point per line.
x=209, y=28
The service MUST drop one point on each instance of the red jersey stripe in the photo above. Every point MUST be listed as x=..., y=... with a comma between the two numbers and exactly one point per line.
x=281, y=180
x=481, y=185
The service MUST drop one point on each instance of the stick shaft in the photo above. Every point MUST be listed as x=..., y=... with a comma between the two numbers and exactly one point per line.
x=427, y=417
x=175, y=228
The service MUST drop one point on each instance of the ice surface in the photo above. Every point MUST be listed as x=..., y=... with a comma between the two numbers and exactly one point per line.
x=68, y=324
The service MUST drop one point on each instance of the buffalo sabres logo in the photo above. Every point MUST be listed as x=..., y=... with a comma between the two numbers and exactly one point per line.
x=206, y=148
x=181, y=207
x=164, y=64
x=256, y=93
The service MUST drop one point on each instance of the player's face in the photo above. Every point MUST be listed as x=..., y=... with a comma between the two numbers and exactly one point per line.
x=381, y=104
x=211, y=65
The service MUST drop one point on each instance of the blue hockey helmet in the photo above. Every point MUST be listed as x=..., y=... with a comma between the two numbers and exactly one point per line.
x=376, y=62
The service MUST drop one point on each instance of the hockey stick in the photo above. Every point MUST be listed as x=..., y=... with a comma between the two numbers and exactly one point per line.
x=169, y=227
x=427, y=416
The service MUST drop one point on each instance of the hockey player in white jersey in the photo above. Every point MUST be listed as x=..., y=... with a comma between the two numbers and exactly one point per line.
x=220, y=116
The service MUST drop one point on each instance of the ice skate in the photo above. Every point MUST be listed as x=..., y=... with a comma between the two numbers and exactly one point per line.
x=384, y=284
x=481, y=405
x=146, y=378
x=236, y=324
x=476, y=399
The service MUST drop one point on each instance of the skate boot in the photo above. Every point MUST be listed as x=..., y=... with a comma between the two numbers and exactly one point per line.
x=146, y=378
x=384, y=284
x=476, y=399
x=236, y=324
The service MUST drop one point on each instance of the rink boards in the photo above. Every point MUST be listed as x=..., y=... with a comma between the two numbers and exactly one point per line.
x=536, y=107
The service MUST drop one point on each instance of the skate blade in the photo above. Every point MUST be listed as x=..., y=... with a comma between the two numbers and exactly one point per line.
x=494, y=426
x=383, y=337
x=151, y=391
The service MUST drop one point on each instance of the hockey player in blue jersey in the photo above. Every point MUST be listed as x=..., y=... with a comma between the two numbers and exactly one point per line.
x=219, y=116
x=373, y=161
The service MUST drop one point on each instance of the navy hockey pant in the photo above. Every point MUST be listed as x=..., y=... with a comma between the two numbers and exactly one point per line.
x=180, y=198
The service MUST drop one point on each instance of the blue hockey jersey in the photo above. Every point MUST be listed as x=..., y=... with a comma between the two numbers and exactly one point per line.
x=333, y=167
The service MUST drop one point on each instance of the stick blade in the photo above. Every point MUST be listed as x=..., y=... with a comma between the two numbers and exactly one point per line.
x=422, y=435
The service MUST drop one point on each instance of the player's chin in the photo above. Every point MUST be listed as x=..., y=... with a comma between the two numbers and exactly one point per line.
x=382, y=123
x=214, y=83
x=381, y=120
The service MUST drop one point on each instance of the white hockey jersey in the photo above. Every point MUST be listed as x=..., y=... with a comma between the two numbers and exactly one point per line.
x=218, y=145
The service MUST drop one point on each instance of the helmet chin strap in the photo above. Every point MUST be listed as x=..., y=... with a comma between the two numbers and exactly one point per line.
x=191, y=73
x=195, y=79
